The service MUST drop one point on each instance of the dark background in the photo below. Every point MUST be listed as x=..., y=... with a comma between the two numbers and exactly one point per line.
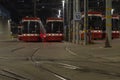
x=48, y=8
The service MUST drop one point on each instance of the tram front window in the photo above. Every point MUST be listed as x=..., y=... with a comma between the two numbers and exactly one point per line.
x=54, y=27
x=31, y=27
x=95, y=22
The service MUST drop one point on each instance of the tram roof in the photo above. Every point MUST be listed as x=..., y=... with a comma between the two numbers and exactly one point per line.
x=31, y=19
x=52, y=19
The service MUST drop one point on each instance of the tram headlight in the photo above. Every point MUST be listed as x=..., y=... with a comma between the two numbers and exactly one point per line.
x=44, y=36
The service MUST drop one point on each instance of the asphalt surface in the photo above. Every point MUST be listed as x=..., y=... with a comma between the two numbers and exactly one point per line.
x=59, y=61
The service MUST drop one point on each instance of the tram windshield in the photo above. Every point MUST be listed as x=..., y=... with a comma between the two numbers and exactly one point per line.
x=31, y=27
x=54, y=27
x=115, y=24
x=94, y=23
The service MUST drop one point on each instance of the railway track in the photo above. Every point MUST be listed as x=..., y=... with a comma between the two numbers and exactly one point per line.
x=65, y=64
x=12, y=75
x=48, y=70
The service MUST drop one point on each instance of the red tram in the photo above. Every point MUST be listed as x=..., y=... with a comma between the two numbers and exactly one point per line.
x=32, y=29
x=54, y=29
x=94, y=25
x=115, y=26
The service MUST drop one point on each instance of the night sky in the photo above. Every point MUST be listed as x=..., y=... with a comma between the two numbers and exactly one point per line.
x=44, y=8
x=22, y=8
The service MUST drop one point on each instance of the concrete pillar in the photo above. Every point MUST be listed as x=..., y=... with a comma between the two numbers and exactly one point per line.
x=108, y=23
x=74, y=3
x=77, y=22
x=5, y=33
x=85, y=21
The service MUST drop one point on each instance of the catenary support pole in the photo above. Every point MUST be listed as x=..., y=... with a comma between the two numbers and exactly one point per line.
x=73, y=38
x=34, y=8
x=77, y=22
x=108, y=23
x=85, y=21
x=64, y=27
x=69, y=20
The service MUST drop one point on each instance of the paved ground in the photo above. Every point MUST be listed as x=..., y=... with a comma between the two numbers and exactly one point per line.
x=59, y=61
x=97, y=50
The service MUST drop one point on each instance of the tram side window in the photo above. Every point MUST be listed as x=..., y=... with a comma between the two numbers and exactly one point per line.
x=118, y=24
x=59, y=27
x=25, y=27
x=103, y=25
x=48, y=28
x=115, y=25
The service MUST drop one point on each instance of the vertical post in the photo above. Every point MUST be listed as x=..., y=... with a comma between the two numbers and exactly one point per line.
x=69, y=20
x=74, y=21
x=64, y=27
x=77, y=22
x=108, y=23
x=34, y=8
x=85, y=21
